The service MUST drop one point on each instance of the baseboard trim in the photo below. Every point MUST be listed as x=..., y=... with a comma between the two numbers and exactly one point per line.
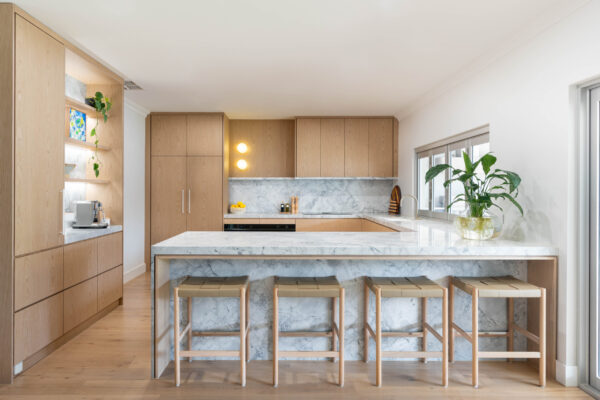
x=134, y=272
x=566, y=374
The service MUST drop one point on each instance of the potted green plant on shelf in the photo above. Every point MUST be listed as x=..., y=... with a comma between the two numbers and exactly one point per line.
x=482, y=191
x=102, y=105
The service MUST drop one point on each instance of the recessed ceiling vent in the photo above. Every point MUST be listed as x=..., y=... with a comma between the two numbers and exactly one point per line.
x=131, y=85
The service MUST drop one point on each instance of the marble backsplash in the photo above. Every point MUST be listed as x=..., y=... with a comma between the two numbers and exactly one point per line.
x=264, y=195
x=315, y=313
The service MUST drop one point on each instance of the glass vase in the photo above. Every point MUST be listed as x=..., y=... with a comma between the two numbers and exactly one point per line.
x=486, y=227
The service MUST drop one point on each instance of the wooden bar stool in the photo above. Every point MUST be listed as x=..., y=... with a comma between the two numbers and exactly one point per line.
x=212, y=287
x=418, y=286
x=309, y=287
x=510, y=288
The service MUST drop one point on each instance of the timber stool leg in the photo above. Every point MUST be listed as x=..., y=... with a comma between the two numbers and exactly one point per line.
x=418, y=286
x=212, y=287
x=500, y=287
x=309, y=287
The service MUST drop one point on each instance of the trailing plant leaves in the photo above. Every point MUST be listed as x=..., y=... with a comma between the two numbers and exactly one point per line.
x=93, y=132
x=435, y=171
x=509, y=198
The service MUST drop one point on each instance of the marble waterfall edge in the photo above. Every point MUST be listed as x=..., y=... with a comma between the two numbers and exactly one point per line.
x=315, y=313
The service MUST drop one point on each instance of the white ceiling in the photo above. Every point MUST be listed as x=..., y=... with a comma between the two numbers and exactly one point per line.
x=282, y=58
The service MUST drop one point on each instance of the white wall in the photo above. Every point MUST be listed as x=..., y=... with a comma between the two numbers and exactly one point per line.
x=134, y=180
x=526, y=98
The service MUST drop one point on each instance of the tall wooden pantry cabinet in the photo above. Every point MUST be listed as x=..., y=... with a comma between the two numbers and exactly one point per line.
x=188, y=170
x=51, y=285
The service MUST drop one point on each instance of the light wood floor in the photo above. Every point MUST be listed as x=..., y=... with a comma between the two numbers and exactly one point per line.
x=111, y=359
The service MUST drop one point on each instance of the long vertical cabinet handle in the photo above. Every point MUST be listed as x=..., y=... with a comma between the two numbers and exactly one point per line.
x=182, y=201
x=189, y=201
x=61, y=213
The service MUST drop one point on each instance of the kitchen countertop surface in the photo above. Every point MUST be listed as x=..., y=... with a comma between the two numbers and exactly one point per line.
x=77, y=235
x=420, y=238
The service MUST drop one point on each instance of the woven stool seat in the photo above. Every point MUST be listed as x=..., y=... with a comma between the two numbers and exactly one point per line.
x=327, y=286
x=418, y=286
x=501, y=286
x=212, y=286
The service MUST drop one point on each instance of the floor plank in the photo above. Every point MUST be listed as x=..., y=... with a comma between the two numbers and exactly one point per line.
x=111, y=360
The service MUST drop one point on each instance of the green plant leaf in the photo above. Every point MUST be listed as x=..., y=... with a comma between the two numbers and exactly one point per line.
x=435, y=171
x=509, y=198
x=468, y=163
x=93, y=132
x=487, y=161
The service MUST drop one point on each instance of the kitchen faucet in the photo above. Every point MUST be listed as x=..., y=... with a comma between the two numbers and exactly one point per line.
x=414, y=210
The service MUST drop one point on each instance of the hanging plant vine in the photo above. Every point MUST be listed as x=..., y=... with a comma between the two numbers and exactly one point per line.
x=102, y=105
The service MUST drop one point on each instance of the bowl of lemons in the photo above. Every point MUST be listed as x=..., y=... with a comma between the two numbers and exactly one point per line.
x=238, y=208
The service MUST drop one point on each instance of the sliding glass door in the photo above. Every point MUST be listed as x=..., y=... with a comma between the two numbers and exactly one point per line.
x=594, y=237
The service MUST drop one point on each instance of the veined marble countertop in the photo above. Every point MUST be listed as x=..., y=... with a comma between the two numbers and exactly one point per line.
x=288, y=216
x=77, y=235
x=426, y=238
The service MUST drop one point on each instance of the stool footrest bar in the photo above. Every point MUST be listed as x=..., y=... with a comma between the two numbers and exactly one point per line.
x=215, y=333
x=209, y=353
x=527, y=334
x=411, y=354
x=309, y=354
x=433, y=332
x=305, y=334
x=185, y=330
x=509, y=354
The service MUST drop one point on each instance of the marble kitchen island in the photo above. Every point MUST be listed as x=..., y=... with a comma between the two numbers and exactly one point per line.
x=425, y=247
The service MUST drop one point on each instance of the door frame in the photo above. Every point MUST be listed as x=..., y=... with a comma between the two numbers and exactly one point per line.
x=582, y=99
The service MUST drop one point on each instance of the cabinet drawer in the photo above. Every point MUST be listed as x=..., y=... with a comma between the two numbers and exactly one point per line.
x=38, y=276
x=241, y=221
x=80, y=303
x=328, y=225
x=81, y=262
x=110, y=251
x=277, y=221
x=110, y=287
x=370, y=226
x=37, y=326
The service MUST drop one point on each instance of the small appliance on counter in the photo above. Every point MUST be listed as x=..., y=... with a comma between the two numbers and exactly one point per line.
x=89, y=214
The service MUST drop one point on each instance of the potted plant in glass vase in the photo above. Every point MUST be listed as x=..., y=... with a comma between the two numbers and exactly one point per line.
x=482, y=190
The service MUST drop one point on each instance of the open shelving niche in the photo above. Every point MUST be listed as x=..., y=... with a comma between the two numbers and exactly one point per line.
x=81, y=183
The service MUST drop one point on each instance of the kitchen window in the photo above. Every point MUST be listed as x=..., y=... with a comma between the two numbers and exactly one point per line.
x=433, y=197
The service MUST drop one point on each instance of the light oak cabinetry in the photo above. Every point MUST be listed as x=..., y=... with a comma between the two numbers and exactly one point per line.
x=38, y=276
x=81, y=303
x=81, y=262
x=204, y=194
x=110, y=287
x=356, y=145
x=110, y=251
x=188, y=181
x=370, y=226
x=169, y=135
x=332, y=147
x=381, y=147
x=350, y=147
x=34, y=264
x=308, y=147
x=39, y=171
x=328, y=225
x=38, y=326
x=168, y=192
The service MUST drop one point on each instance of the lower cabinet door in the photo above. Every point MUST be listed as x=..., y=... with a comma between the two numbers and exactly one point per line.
x=37, y=326
x=110, y=287
x=328, y=225
x=80, y=303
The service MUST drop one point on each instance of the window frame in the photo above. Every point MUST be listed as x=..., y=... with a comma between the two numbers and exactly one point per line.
x=466, y=140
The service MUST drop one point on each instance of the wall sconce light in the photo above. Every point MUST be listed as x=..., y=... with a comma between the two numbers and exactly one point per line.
x=242, y=164
x=242, y=148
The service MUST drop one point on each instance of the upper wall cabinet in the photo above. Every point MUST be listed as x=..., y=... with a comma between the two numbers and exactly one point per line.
x=381, y=147
x=168, y=135
x=187, y=135
x=205, y=135
x=269, y=147
x=308, y=147
x=39, y=145
x=351, y=147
